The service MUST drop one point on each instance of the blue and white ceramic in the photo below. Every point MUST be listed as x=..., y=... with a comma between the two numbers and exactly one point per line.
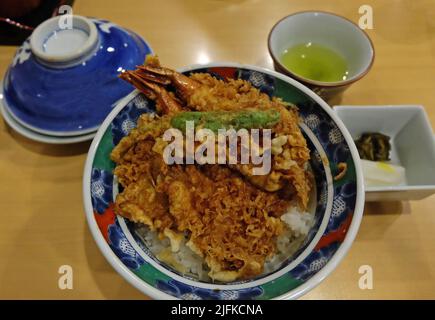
x=36, y=136
x=338, y=203
x=63, y=80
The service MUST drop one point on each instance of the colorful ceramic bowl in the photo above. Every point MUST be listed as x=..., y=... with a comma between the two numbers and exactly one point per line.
x=63, y=79
x=331, y=31
x=338, y=204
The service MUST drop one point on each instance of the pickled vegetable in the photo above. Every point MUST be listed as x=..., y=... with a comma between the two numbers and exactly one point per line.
x=374, y=146
x=378, y=174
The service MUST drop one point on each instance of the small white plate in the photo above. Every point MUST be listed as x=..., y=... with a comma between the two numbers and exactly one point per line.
x=35, y=136
x=412, y=146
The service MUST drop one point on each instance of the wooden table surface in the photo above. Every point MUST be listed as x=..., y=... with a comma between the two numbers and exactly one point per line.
x=43, y=222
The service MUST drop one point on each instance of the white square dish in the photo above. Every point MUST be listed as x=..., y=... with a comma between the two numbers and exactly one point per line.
x=412, y=146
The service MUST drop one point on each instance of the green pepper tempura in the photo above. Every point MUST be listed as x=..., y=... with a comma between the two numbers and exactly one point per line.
x=215, y=120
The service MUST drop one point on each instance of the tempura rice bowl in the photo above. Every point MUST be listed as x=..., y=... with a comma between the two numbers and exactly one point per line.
x=318, y=239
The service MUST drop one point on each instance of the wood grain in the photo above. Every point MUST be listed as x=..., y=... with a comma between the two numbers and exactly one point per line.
x=43, y=222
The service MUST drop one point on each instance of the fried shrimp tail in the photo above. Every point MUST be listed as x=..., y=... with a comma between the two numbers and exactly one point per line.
x=176, y=93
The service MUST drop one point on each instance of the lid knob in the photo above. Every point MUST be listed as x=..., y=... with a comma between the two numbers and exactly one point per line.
x=61, y=45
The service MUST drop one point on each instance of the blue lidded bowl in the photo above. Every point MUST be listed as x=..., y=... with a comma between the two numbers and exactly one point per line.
x=63, y=80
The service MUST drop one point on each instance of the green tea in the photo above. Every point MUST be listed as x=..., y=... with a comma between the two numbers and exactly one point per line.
x=315, y=62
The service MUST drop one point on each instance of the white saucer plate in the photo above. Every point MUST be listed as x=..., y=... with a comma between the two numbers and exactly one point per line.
x=35, y=136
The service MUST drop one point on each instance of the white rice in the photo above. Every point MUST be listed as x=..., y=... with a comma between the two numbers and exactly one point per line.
x=297, y=224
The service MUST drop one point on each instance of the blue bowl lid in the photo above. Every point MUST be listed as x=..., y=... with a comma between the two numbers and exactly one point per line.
x=64, y=79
